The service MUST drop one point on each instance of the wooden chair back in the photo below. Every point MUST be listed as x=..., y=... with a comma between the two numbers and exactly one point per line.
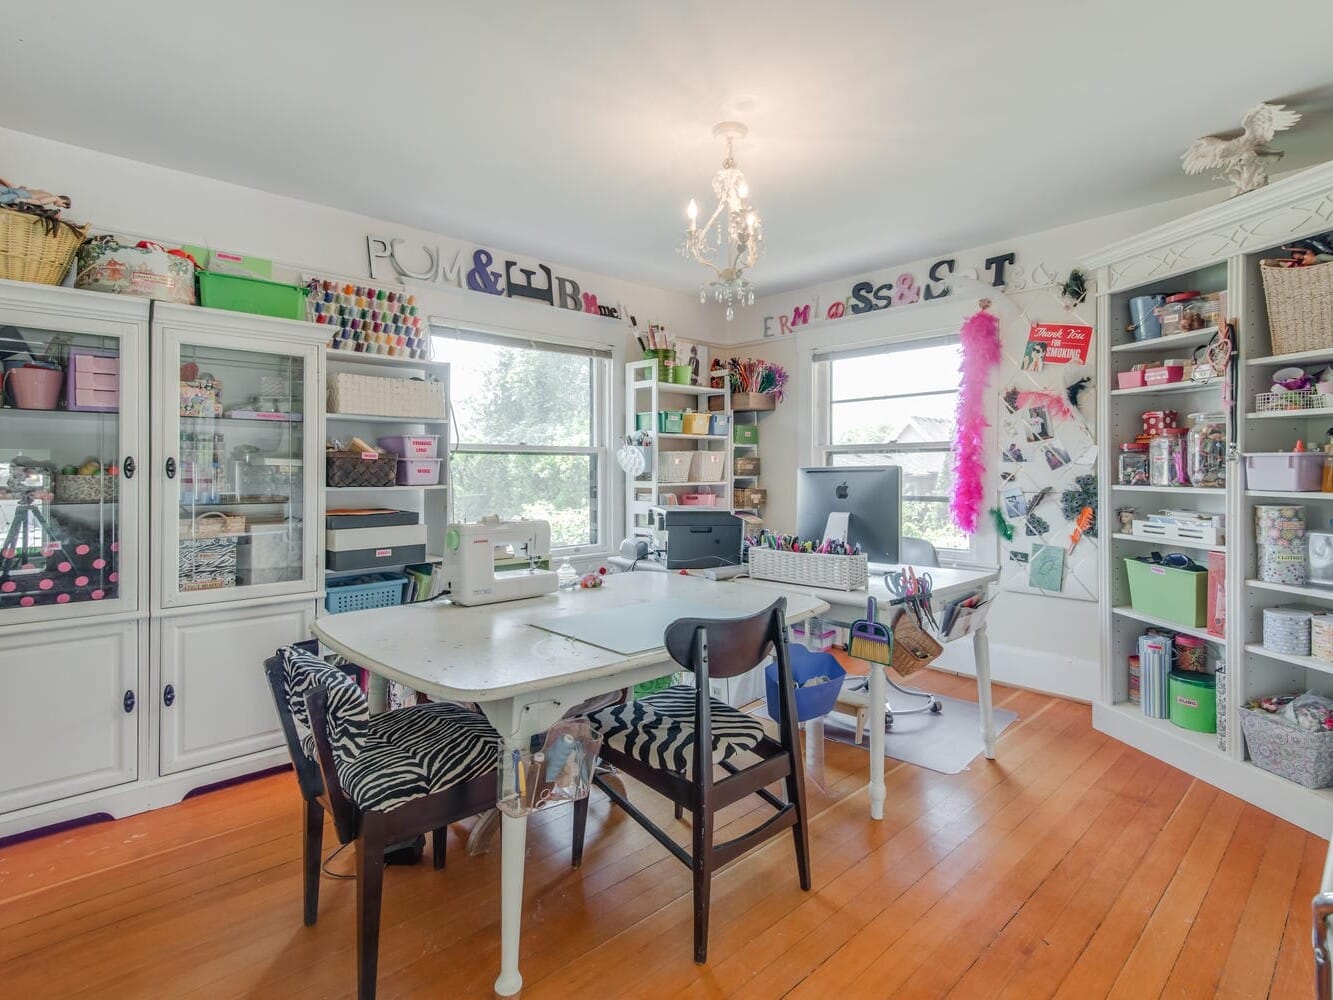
x=734, y=645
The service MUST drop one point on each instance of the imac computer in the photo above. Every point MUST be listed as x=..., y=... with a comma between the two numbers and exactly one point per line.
x=870, y=496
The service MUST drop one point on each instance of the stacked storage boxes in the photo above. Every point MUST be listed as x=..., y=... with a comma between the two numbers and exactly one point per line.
x=373, y=539
x=1279, y=534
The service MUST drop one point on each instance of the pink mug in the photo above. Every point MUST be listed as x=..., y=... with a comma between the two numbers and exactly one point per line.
x=34, y=388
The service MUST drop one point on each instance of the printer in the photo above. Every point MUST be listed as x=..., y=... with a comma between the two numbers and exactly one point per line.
x=695, y=537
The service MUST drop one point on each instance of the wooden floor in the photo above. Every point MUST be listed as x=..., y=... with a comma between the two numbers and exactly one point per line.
x=1072, y=866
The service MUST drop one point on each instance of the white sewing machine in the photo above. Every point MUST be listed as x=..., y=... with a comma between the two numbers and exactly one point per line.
x=472, y=551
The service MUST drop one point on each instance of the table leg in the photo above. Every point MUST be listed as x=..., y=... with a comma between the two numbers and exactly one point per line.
x=981, y=652
x=513, y=848
x=878, y=698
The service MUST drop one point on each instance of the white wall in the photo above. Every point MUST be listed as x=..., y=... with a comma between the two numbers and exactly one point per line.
x=1041, y=642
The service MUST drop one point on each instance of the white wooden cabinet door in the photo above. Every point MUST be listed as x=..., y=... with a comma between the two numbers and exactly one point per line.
x=214, y=699
x=69, y=715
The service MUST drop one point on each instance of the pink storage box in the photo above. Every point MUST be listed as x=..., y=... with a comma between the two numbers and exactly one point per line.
x=411, y=445
x=418, y=471
x=1130, y=380
x=92, y=381
x=1164, y=375
x=1285, y=471
x=698, y=500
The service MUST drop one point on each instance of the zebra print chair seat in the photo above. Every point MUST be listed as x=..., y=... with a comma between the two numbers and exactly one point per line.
x=659, y=729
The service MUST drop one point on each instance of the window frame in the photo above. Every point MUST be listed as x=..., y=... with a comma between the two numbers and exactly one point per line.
x=599, y=487
x=821, y=363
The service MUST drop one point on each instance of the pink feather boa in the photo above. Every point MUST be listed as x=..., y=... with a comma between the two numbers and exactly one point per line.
x=981, y=353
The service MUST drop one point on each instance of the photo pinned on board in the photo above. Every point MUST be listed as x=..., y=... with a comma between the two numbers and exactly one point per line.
x=1056, y=455
x=1018, y=556
x=1037, y=424
x=1015, y=504
x=1013, y=453
x=1034, y=356
x=1008, y=477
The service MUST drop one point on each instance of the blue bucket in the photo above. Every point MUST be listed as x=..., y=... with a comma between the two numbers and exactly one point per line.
x=812, y=702
x=1146, y=324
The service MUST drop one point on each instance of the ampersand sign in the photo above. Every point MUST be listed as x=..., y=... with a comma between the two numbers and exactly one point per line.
x=905, y=290
x=481, y=278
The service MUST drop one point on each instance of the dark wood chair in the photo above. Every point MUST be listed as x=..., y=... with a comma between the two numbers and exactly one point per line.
x=675, y=740
x=384, y=779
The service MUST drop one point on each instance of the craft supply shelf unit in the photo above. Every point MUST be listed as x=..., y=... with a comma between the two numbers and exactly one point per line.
x=644, y=394
x=1217, y=249
x=143, y=684
x=431, y=501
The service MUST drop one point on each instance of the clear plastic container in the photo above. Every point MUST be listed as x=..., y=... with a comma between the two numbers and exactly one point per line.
x=1207, y=450
x=1133, y=468
x=1167, y=458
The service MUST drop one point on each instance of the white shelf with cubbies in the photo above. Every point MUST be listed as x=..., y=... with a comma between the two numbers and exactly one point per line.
x=687, y=460
x=1217, y=251
x=400, y=409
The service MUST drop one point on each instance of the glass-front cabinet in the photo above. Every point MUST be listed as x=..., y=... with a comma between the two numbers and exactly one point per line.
x=73, y=434
x=238, y=460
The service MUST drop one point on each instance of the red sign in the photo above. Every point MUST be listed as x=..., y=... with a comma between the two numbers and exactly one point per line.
x=1056, y=344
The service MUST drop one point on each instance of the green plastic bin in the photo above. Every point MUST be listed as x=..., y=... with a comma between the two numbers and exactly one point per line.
x=643, y=421
x=1193, y=700
x=745, y=433
x=671, y=422
x=252, y=295
x=1175, y=595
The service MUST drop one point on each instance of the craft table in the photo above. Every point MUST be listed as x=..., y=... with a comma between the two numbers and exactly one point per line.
x=949, y=585
x=525, y=678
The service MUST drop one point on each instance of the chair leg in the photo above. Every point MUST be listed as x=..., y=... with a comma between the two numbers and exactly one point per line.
x=580, y=829
x=680, y=811
x=703, y=878
x=369, y=892
x=800, y=833
x=439, y=840
x=314, y=847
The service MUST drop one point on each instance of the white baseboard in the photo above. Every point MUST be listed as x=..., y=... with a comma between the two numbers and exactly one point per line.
x=1053, y=673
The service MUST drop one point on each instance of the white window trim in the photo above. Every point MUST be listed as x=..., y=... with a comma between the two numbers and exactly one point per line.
x=822, y=423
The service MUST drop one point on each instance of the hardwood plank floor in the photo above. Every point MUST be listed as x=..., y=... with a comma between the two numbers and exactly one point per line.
x=1072, y=866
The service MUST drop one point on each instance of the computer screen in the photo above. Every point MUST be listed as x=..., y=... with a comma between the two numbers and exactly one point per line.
x=871, y=496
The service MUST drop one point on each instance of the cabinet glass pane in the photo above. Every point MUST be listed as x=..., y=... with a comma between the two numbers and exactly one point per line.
x=239, y=473
x=59, y=468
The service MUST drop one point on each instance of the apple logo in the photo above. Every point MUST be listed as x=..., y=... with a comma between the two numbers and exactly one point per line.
x=841, y=491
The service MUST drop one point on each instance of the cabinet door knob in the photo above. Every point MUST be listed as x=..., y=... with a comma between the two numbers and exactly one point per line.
x=128, y=701
x=168, y=696
x=127, y=467
x=171, y=468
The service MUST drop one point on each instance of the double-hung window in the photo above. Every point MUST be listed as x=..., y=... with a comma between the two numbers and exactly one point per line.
x=530, y=426
x=895, y=405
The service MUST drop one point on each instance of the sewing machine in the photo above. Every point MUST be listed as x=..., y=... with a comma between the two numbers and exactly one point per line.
x=473, y=550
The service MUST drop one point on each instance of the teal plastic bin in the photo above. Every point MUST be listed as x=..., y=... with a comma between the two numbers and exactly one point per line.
x=671, y=422
x=252, y=295
x=1174, y=594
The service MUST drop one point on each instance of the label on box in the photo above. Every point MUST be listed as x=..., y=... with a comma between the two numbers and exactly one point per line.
x=369, y=456
x=383, y=553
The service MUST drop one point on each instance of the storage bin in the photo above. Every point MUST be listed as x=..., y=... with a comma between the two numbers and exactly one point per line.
x=87, y=489
x=1287, y=629
x=671, y=422
x=809, y=568
x=411, y=445
x=271, y=553
x=747, y=401
x=1130, y=380
x=1217, y=594
x=698, y=500
x=1285, y=471
x=371, y=548
x=1174, y=594
x=673, y=466
x=376, y=396
x=746, y=465
x=359, y=468
x=813, y=701
x=745, y=433
x=707, y=466
x=1193, y=701
x=92, y=381
x=1283, y=564
x=1300, y=306
x=147, y=270
x=695, y=423
x=717, y=424
x=643, y=421
x=201, y=398
x=418, y=471
x=32, y=249
x=206, y=563
x=252, y=295
x=1163, y=375
x=1300, y=755
x=665, y=358
x=375, y=590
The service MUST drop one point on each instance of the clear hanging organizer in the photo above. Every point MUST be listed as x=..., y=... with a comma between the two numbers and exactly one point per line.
x=561, y=771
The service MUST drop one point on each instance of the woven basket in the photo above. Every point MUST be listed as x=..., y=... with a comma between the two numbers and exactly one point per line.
x=374, y=395
x=913, y=646
x=809, y=568
x=1299, y=755
x=1300, y=306
x=35, y=249
x=214, y=524
x=352, y=468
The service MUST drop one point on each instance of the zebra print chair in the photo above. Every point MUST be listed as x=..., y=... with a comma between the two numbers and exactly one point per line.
x=673, y=741
x=384, y=779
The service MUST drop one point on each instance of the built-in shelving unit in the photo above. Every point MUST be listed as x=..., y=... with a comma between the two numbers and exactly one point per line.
x=1217, y=250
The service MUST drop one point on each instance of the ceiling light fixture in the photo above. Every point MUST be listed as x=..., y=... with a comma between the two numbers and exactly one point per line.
x=729, y=242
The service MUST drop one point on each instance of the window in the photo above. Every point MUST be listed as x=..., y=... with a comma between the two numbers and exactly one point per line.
x=895, y=405
x=530, y=425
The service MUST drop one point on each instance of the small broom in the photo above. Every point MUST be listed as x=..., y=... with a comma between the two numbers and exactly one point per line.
x=870, y=640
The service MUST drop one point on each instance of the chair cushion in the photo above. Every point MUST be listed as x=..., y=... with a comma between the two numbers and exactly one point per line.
x=658, y=730
x=347, y=709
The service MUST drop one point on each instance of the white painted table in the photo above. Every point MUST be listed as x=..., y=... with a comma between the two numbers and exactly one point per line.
x=525, y=678
x=949, y=585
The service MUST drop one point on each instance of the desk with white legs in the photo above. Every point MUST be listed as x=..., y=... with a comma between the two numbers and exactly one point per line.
x=525, y=678
x=949, y=585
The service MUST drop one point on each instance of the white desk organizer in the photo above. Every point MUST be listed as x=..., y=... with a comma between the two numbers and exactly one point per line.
x=561, y=771
x=809, y=569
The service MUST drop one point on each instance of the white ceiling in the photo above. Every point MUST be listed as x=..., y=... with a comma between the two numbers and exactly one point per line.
x=576, y=131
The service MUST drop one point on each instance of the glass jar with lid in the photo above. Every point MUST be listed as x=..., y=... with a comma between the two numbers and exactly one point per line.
x=1133, y=467
x=1207, y=450
x=1167, y=458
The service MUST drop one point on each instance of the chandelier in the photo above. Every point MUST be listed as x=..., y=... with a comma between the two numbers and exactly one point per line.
x=729, y=241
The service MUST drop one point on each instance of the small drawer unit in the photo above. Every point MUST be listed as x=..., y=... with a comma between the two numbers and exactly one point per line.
x=92, y=381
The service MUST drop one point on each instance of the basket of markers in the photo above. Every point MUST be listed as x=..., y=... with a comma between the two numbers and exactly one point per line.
x=831, y=564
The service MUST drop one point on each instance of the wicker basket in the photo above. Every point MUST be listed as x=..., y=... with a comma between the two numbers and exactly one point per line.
x=214, y=524
x=707, y=466
x=1300, y=306
x=36, y=249
x=673, y=466
x=358, y=468
x=809, y=569
x=1299, y=755
x=375, y=396
x=913, y=646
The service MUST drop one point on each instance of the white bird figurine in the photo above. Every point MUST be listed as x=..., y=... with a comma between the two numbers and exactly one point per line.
x=1241, y=160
